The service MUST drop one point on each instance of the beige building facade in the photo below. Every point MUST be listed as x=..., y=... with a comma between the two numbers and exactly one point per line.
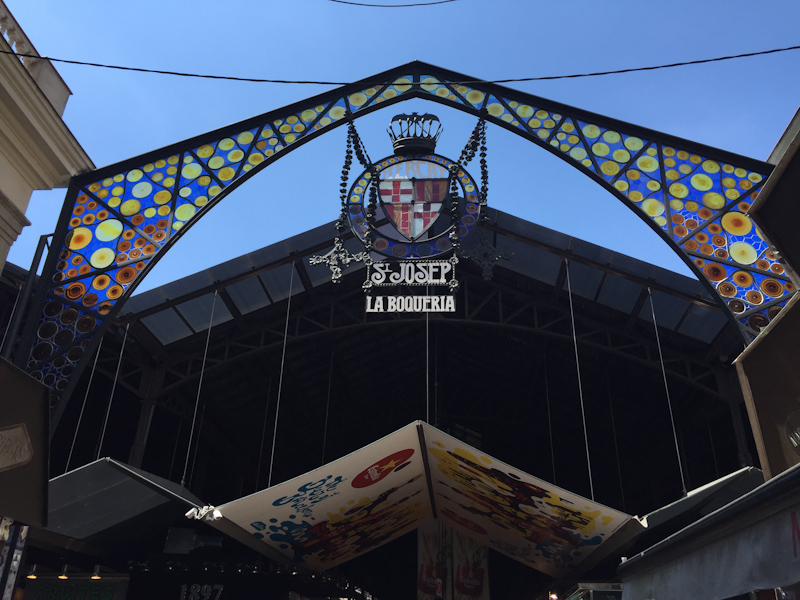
x=37, y=149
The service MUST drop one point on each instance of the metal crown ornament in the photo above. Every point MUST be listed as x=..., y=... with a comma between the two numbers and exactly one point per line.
x=414, y=133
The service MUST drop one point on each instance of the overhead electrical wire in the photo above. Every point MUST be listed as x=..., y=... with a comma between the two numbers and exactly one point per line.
x=392, y=5
x=370, y=83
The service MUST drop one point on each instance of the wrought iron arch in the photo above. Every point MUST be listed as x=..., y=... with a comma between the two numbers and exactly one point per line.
x=117, y=221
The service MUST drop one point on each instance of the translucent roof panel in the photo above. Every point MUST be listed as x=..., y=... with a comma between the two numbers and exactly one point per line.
x=683, y=284
x=231, y=268
x=252, y=281
x=166, y=326
x=633, y=266
x=533, y=231
x=669, y=310
x=318, y=274
x=583, y=279
x=277, y=282
x=703, y=323
x=312, y=237
x=248, y=295
x=143, y=301
x=270, y=254
x=619, y=293
x=187, y=285
x=529, y=260
x=591, y=251
x=197, y=312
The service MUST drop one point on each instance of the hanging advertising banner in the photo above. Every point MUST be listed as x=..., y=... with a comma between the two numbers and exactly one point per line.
x=450, y=565
x=470, y=568
x=434, y=561
x=384, y=490
x=344, y=509
x=525, y=518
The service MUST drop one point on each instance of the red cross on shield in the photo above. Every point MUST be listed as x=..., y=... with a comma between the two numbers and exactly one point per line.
x=413, y=205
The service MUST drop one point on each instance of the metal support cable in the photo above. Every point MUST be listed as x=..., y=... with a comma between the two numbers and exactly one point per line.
x=327, y=411
x=580, y=386
x=263, y=433
x=113, y=389
x=175, y=449
x=436, y=377
x=616, y=448
x=83, y=406
x=197, y=449
x=713, y=452
x=199, y=387
x=10, y=319
x=666, y=389
x=549, y=423
x=280, y=379
x=427, y=366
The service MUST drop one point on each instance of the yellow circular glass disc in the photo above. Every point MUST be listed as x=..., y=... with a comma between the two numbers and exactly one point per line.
x=81, y=236
x=743, y=253
x=737, y=223
x=102, y=258
x=652, y=207
x=130, y=207
x=142, y=189
x=185, y=212
x=108, y=230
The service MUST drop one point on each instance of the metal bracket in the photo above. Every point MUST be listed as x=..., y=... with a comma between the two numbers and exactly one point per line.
x=485, y=255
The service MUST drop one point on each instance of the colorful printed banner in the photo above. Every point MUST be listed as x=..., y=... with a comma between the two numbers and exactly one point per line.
x=525, y=518
x=470, y=568
x=434, y=561
x=380, y=492
x=344, y=509
x=450, y=565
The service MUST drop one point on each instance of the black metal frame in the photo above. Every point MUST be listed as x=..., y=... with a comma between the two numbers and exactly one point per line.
x=415, y=71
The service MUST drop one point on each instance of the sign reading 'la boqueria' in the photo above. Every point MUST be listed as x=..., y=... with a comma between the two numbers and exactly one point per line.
x=406, y=273
x=377, y=304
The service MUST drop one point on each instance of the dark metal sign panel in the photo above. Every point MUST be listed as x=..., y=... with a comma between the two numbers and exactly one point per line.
x=24, y=443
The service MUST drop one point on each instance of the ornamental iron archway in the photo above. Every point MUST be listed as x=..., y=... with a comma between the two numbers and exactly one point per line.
x=118, y=221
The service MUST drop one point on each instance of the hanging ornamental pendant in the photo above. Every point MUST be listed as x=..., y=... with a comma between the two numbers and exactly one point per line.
x=411, y=211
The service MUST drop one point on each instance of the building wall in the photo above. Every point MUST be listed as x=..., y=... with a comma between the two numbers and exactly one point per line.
x=37, y=149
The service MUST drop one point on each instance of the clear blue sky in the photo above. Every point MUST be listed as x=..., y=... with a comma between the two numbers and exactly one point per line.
x=742, y=105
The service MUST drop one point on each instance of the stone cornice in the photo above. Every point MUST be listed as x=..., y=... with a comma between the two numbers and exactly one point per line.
x=12, y=220
x=40, y=145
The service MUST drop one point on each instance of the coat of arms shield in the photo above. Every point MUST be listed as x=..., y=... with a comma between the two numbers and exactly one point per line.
x=414, y=203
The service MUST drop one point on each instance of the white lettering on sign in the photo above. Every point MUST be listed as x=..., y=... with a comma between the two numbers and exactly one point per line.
x=15, y=447
x=416, y=304
x=409, y=273
x=415, y=169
